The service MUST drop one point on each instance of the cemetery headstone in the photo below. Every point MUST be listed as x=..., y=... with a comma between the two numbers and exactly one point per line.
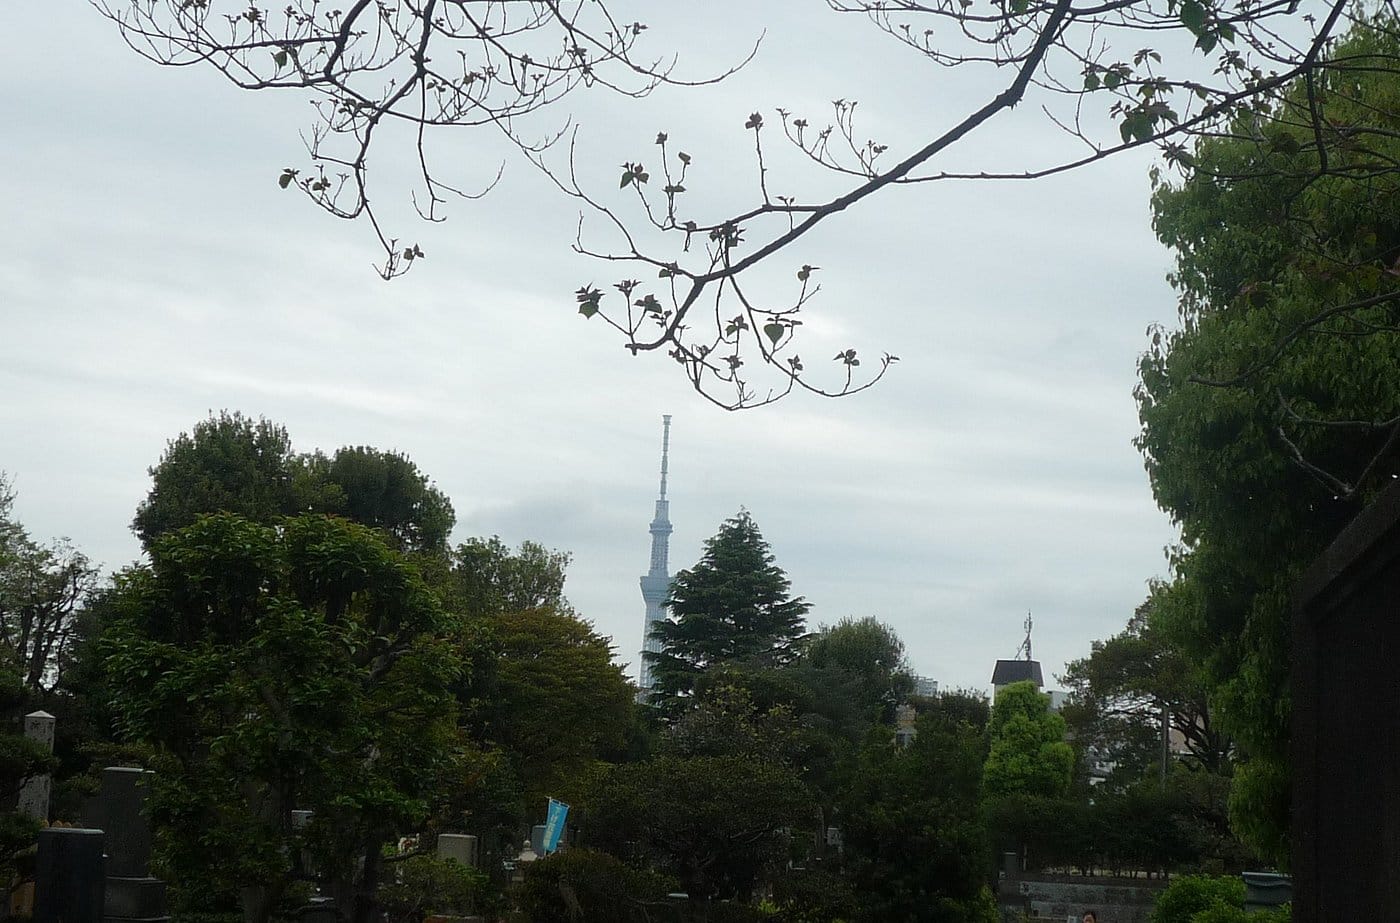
x=70, y=877
x=459, y=846
x=305, y=862
x=120, y=809
x=34, y=795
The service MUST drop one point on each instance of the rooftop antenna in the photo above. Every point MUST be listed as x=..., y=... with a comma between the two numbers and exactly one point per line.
x=1026, y=644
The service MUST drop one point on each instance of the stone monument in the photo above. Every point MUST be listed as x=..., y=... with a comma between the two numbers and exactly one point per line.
x=34, y=795
x=459, y=846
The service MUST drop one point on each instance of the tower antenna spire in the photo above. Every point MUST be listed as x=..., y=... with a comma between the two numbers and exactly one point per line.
x=665, y=449
x=656, y=583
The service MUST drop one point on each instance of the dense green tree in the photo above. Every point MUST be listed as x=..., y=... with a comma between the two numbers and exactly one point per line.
x=726, y=721
x=1121, y=691
x=1028, y=754
x=488, y=578
x=915, y=845
x=555, y=701
x=302, y=667
x=857, y=673
x=1271, y=416
x=1026, y=778
x=385, y=490
x=734, y=606
x=228, y=463
x=231, y=463
x=717, y=823
x=543, y=697
x=576, y=884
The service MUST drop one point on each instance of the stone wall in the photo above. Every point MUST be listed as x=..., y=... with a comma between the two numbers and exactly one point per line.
x=1065, y=897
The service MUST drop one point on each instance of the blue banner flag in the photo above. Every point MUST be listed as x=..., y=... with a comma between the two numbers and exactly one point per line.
x=554, y=825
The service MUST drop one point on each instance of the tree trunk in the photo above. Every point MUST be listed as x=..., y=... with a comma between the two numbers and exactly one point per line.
x=367, y=893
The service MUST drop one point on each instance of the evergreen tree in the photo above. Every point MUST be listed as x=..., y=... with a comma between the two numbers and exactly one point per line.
x=733, y=607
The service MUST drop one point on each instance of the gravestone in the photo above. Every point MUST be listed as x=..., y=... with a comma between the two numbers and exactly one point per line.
x=306, y=864
x=459, y=846
x=69, y=876
x=1345, y=753
x=34, y=795
x=119, y=809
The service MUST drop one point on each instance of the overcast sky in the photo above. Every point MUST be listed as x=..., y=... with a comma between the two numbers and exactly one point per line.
x=151, y=271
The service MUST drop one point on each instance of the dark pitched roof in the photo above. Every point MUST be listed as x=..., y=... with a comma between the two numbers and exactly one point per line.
x=1015, y=671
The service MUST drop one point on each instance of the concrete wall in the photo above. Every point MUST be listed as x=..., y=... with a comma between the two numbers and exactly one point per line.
x=1064, y=897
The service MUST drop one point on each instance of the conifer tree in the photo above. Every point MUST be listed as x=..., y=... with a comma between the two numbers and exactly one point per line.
x=733, y=607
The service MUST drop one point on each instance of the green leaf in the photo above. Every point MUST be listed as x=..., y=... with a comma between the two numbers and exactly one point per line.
x=1091, y=80
x=626, y=180
x=1284, y=143
x=1127, y=129
x=286, y=178
x=774, y=331
x=280, y=59
x=1193, y=16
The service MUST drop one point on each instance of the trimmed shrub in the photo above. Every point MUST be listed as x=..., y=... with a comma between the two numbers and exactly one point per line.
x=427, y=884
x=599, y=887
x=1190, y=895
x=813, y=896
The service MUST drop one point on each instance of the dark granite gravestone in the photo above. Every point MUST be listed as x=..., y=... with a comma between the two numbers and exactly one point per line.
x=69, y=876
x=119, y=809
x=1346, y=701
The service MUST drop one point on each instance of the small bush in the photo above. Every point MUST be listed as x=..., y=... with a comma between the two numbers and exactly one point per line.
x=812, y=896
x=427, y=884
x=1188, y=896
x=1222, y=914
x=599, y=887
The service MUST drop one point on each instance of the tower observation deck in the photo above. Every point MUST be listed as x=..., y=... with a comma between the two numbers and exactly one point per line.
x=656, y=583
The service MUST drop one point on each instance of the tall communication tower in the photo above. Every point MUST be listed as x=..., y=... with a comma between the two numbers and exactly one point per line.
x=657, y=581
